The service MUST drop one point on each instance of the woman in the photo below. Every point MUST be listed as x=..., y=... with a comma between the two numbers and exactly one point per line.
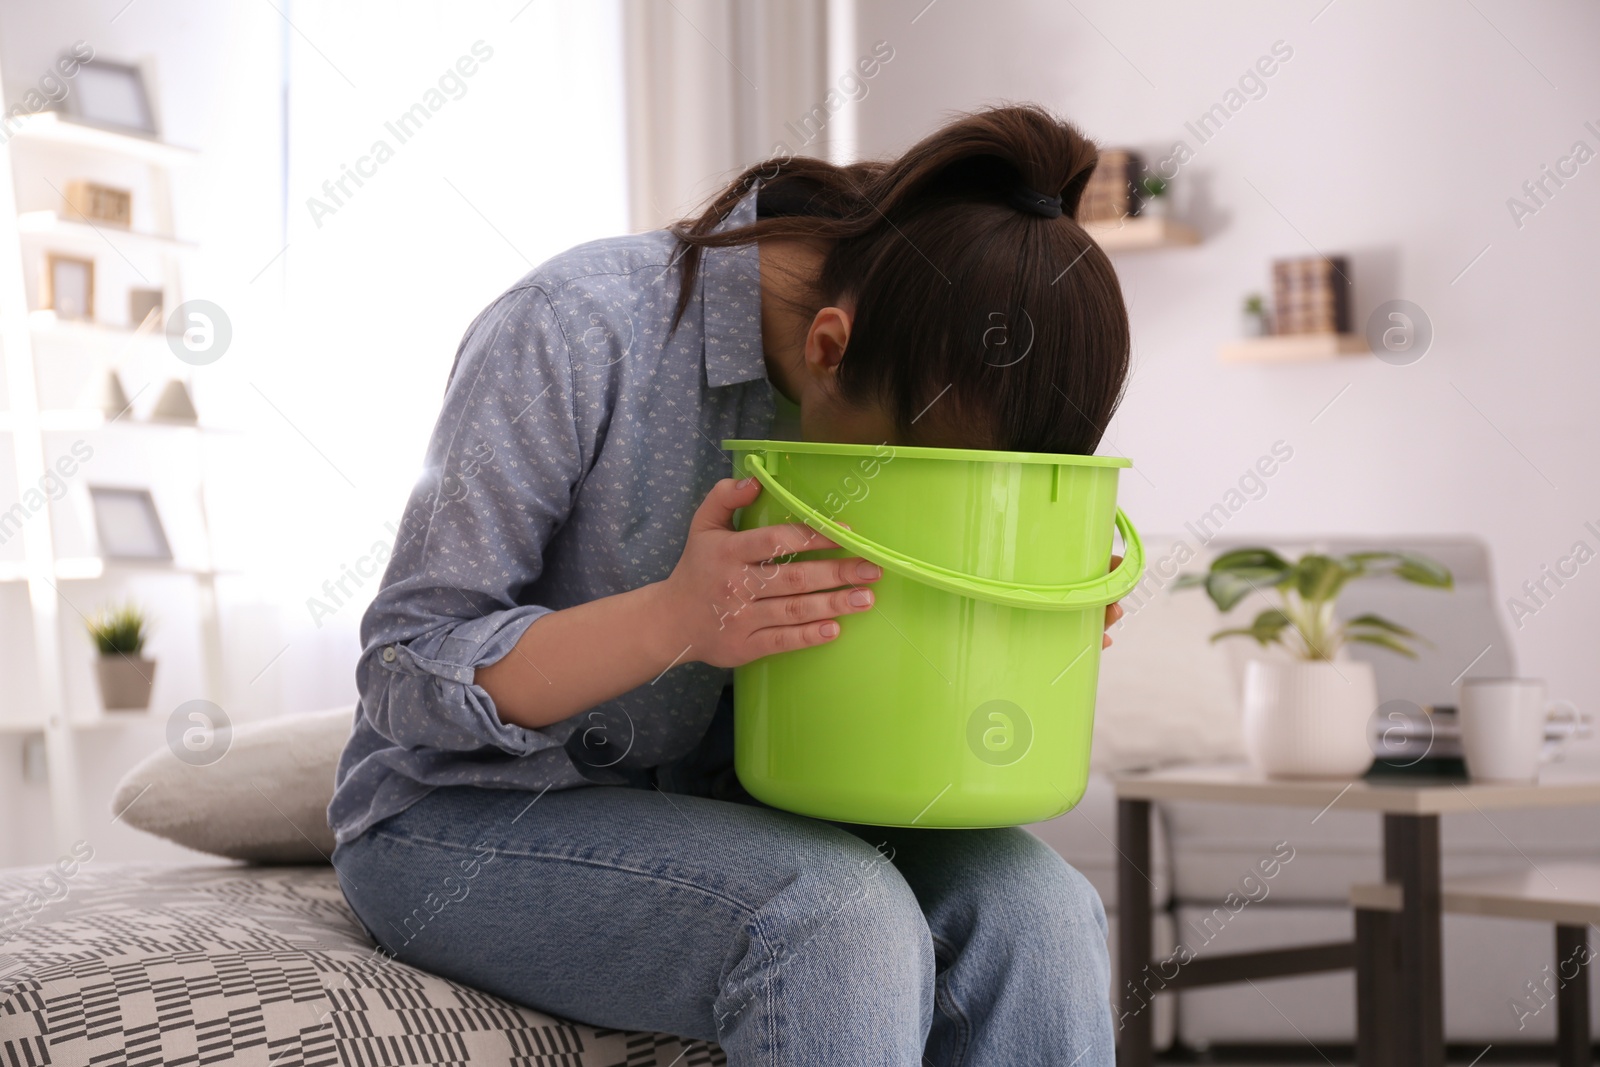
x=537, y=798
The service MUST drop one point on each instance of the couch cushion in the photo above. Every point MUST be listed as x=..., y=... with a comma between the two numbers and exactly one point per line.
x=1167, y=694
x=172, y=965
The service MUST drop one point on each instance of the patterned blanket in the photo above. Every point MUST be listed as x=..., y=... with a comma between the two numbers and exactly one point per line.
x=135, y=965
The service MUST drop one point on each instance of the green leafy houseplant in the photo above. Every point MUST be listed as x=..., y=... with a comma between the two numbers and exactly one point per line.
x=1154, y=187
x=1255, y=305
x=1304, y=622
x=119, y=631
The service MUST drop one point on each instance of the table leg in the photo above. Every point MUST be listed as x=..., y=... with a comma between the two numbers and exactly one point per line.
x=1135, y=1007
x=1375, y=989
x=1572, y=997
x=1411, y=860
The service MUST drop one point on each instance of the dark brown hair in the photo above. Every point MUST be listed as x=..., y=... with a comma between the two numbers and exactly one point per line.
x=1004, y=326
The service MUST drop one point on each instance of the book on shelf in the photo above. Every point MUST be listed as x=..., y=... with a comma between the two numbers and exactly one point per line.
x=1311, y=295
x=1112, y=192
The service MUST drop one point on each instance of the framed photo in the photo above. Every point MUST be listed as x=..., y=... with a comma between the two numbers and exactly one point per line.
x=111, y=95
x=101, y=203
x=128, y=525
x=68, y=286
x=142, y=303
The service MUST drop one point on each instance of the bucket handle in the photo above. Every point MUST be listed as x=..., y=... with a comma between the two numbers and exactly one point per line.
x=1092, y=592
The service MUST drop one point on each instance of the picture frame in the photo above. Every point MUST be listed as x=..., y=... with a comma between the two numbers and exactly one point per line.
x=128, y=525
x=100, y=203
x=141, y=302
x=67, y=286
x=112, y=96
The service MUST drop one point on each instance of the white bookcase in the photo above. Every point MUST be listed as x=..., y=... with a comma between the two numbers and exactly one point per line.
x=42, y=356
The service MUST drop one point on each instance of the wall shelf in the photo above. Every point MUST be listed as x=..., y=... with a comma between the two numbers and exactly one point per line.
x=1136, y=233
x=1294, y=348
x=47, y=328
x=46, y=127
x=36, y=147
x=92, y=420
x=79, y=234
x=93, y=568
x=90, y=720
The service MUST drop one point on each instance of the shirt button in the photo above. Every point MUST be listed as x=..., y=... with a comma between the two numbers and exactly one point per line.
x=389, y=654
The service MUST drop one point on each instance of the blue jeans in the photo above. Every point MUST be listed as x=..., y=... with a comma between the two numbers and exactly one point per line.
x=786, y=940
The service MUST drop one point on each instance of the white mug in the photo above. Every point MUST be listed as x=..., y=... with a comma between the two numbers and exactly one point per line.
x=1503, y=726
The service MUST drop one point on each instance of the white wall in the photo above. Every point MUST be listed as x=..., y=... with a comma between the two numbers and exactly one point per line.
x=1394, y=134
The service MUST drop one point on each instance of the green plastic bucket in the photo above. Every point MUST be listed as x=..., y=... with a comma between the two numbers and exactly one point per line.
x=965, y=696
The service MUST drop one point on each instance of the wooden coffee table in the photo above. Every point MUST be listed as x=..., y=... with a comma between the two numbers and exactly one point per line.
x=1407, y=1033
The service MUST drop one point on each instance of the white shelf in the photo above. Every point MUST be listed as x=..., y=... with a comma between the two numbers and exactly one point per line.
x=46, y=127
x=89, y=568
x=1137, y=233
x=1294, y=348
x=80, y=234
x=99, y=721
x=45, y=326
x=93, y=568
x=35, y=145
x=90, y=420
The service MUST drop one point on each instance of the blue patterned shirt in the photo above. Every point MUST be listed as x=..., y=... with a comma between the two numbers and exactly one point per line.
x=577, y=438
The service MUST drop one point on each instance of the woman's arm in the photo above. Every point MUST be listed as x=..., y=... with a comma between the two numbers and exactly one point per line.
x=573, y=659
x=498, y=480
x=727, y=602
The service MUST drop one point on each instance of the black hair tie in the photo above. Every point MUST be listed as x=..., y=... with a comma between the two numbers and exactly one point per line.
x=1034, y=202
x=782, y=200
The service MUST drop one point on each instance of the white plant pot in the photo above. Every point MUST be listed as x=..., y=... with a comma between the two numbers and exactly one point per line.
x=1309, y=720
x=1156, y=207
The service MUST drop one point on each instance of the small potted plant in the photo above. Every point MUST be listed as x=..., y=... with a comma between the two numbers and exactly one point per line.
x=1305, y=716
x=125, y=675
x=1155, y=200
x=1254, y=319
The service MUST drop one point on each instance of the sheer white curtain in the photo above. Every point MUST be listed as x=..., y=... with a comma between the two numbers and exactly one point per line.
x=435, y=152
x=716, y=85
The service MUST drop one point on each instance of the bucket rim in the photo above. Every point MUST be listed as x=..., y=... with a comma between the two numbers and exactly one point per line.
x=971, y=455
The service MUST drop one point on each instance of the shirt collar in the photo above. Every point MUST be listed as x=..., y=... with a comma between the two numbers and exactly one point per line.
x=730, y=304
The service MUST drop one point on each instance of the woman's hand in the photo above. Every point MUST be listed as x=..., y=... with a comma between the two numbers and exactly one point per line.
x=733, y=602
x=1113, y=611
x=727, y=602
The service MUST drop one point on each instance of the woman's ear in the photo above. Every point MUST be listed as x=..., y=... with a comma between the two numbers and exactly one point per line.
x=826, y=341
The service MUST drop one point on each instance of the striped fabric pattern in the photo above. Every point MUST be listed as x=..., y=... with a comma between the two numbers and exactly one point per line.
x=128, y=966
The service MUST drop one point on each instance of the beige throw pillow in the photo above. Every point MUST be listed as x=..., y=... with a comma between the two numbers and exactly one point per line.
x=265, y=800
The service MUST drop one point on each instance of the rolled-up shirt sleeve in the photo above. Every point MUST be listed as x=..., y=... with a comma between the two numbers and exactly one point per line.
x=499, y=479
